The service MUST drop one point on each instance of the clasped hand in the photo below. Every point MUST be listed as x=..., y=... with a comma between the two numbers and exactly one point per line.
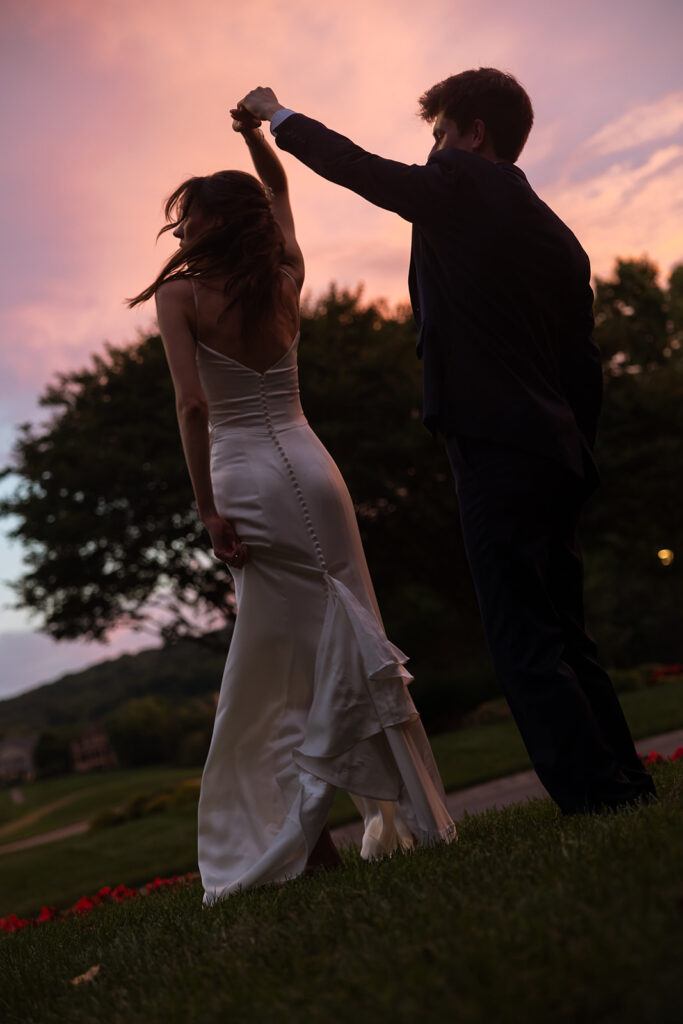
x=258, y=105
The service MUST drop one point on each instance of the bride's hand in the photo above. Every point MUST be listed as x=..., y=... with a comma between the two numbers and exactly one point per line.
x=226, y=544
x=242, y=120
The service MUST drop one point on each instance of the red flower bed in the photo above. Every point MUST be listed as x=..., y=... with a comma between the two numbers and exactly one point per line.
x=654, y=758
x=85, y=904
x=666, y=670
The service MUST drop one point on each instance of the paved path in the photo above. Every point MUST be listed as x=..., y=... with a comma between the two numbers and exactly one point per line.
x=512, y=789
x=33, y=816
x=46, y=837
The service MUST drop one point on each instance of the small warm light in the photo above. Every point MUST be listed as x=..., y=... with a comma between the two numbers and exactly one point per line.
x=665, y=556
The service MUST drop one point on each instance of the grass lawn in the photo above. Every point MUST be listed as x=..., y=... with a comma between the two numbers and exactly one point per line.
x=654, y=710
x=529, y=918
x=165, y=844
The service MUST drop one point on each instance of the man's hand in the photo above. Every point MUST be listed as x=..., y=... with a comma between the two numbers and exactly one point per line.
x=262, y=103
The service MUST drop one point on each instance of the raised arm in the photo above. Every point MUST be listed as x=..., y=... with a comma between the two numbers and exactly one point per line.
x=413, y=191
x=269, y=168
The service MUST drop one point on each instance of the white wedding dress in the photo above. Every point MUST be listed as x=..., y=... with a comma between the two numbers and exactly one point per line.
x=314, y=697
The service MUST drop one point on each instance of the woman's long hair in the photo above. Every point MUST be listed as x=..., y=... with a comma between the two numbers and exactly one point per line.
x=244, y=245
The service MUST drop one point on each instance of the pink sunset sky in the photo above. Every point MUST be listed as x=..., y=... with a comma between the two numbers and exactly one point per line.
x=108, y=105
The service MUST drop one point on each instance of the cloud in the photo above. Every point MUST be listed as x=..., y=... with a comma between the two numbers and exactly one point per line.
x=648, y=122
x=627, y=209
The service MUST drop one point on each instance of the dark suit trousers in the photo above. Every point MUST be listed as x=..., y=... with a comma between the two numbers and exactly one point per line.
x=519, y=515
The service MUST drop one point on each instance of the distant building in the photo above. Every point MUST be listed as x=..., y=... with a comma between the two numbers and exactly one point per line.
x=16, y=759
x=92, y=750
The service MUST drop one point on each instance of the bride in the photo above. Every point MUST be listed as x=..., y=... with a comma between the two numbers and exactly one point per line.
x=314, y=697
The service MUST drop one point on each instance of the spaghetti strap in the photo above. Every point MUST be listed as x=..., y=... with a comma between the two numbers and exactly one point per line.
x=196, y=309
x=287, y=274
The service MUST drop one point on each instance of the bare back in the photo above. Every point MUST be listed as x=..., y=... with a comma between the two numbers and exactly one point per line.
x=224, y=334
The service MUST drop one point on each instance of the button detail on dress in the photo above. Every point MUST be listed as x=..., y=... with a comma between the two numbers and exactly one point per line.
x=292, y=475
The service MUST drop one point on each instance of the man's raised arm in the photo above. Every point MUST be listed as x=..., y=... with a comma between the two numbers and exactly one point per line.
x=411, y=190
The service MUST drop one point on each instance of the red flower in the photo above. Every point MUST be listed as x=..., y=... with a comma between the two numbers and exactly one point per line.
x=652, y=758
x=121, y=893
x=158, y=883
x=13, y=923
x=665, y=670
x=83, y=905
x=47, y=914
x=677, y=754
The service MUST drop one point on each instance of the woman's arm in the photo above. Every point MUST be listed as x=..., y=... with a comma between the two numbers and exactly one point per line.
x=173, y=306
x=269, y=168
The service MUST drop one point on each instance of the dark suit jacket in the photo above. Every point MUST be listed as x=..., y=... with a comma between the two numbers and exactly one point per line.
x=500, y=289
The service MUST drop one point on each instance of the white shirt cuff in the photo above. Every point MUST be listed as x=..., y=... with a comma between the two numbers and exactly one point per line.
x=278, y=117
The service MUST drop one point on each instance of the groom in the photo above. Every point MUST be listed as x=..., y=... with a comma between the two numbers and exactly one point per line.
x=500, y=289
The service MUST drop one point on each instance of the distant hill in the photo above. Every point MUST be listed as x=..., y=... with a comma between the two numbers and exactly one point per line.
x=186, y=669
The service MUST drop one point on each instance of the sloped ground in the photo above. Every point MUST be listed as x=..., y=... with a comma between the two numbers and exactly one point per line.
x=530, y=918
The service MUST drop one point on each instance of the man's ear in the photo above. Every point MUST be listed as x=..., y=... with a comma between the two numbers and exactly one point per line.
x=478, y=131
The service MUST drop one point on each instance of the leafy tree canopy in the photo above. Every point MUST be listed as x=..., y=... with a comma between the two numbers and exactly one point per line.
x=632, y=596
x=104, y=505
x=639, y=323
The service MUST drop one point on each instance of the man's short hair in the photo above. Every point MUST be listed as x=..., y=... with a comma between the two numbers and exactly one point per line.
x=494, y=97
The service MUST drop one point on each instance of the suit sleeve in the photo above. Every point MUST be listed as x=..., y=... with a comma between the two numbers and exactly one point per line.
x=410, y=190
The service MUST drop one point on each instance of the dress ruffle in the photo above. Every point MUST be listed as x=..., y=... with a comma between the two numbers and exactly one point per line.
x=363, y=732
x=360, y=689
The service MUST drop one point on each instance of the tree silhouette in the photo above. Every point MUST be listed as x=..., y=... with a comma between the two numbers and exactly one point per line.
x=104, y=507
x=639, y=324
